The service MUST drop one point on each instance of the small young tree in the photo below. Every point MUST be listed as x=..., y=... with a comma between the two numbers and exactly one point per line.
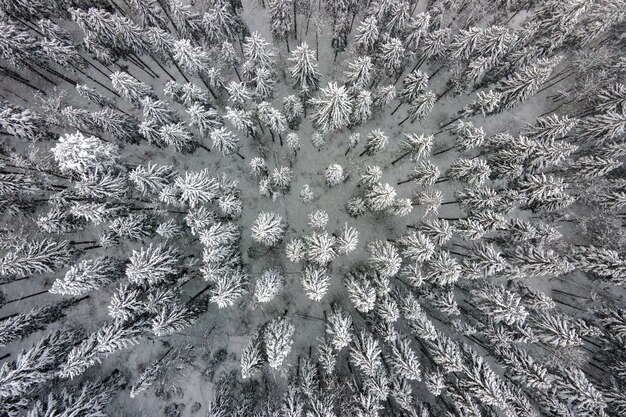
x=252, y=357
x=347, y=240
x=362, y=110
x=293, y=111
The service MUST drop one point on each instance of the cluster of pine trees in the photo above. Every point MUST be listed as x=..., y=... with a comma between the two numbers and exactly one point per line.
x=120, y=118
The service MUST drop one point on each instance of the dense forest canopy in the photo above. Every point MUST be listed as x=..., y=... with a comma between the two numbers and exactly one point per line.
x=312, y=208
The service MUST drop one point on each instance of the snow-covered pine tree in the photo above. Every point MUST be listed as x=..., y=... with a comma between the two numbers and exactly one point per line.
x=293, y=109
x=157, y=112
x=380, y=197
x=384, y=258
x=258, y=51
x=347, y=240
x=225, y=141
x=82, y=154
x=359, y=72
x=196, y=188
x=221, y=23
x=35, y=257
x=334, y=175
x=375, y=141
x=268, y=229
x=153, y=265
x=278, y=340
x=362, y=109
x=332, y=108
x=339, y=327
x=366, y=354
x=304, y=70
x=252, y=357
x=361, y=291
x=420, y=107
x=86, y=276
x=19, y=326
x=178, y=137
x=472, y=171
x=280, y=19
x=600, y=261
x=424, y=174
x=315, y=281
x=526, y=81
x=404, y=360
x=318, y=220
x=230, y=284
x=367, y=34
x=130, y=88
x=392, y=56
x=269, y=285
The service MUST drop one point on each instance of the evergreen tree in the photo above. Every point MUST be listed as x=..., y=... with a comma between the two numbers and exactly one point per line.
x=384, y=258
x=392, y=56
x=225, y=141
x=526, y=81
x=268, y=229
x=86, y=276
x=129, y=87
x=359, y=72
x=269, y=285
x=375, y=141
x=333, y=108
x=280, y=19
x=278, y=339
x=361, y=292
x=367, y=34
x=293, y=110
x=320, y=248
x=35, y=257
